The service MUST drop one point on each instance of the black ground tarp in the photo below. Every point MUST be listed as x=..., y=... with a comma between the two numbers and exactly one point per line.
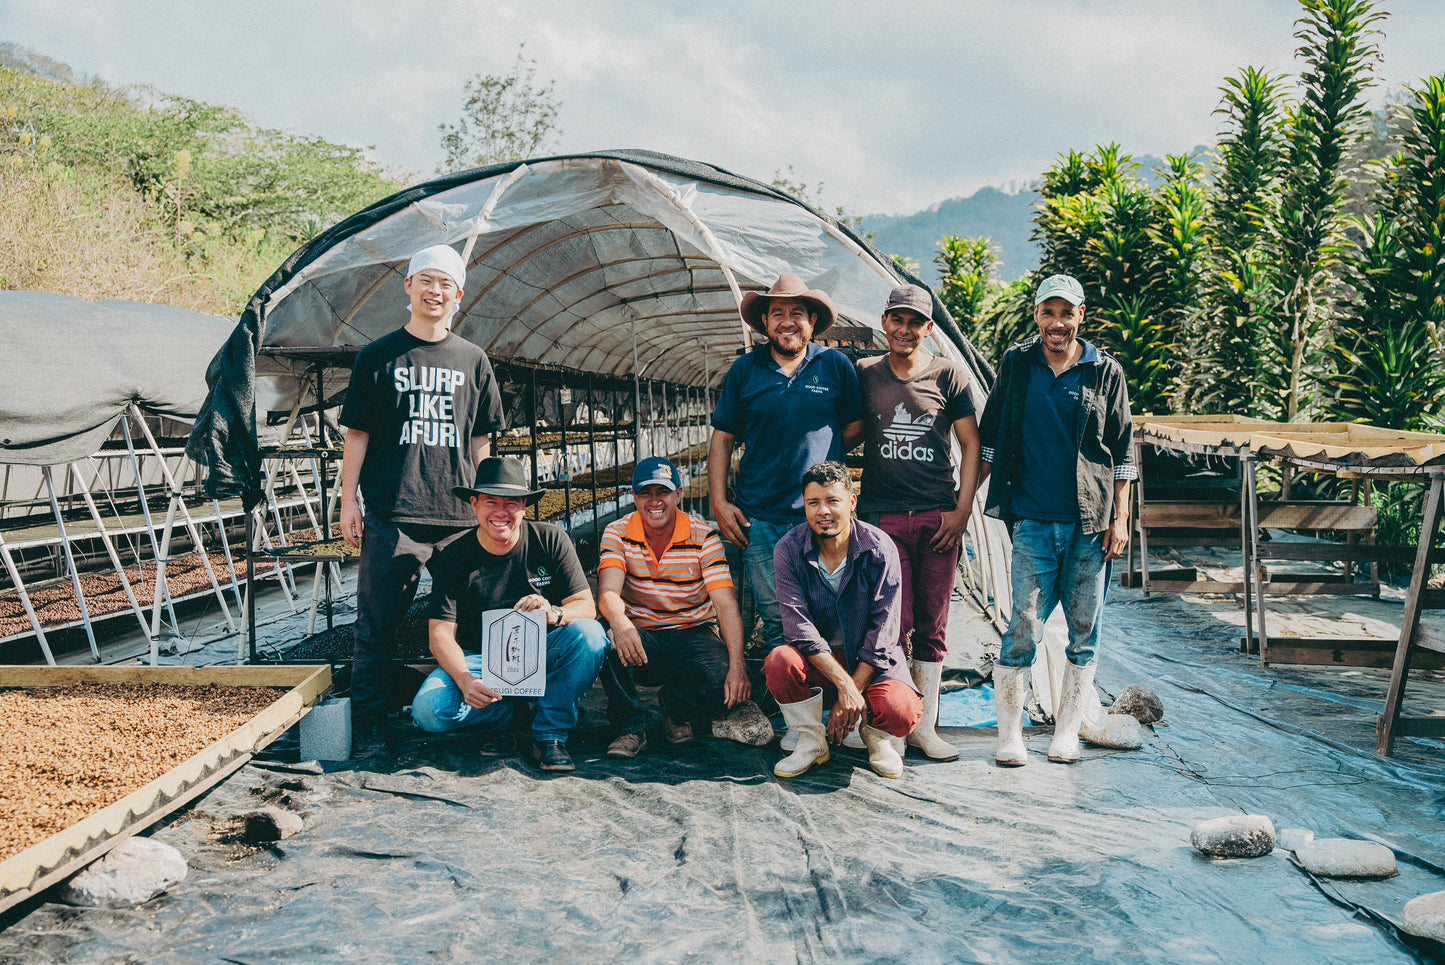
x=697, y=853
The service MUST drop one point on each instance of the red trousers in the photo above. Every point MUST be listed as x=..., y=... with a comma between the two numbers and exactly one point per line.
x=893, y=706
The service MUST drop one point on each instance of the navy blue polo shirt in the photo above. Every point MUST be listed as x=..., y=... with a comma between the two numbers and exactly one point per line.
x=1048, y=485
x=785, y=424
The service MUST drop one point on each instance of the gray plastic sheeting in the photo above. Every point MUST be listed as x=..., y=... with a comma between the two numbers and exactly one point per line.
x=698, y=853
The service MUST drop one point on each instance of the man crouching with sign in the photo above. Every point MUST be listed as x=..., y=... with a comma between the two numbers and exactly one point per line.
x=511, y=563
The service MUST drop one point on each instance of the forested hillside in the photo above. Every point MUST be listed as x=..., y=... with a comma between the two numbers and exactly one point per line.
x=130, y=193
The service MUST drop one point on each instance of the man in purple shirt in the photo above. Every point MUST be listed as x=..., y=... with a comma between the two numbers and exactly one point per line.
x=839, y=597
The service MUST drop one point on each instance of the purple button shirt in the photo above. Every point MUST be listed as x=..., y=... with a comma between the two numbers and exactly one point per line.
x=863, y=615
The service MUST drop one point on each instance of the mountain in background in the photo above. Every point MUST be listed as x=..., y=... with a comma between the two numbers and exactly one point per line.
x=1005, y=216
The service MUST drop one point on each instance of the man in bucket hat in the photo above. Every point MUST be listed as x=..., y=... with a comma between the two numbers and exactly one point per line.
x=509, y=562
x=663, y=586
x=915, y=405
x=787, y=401
x=1057, y=437
x=418, y=414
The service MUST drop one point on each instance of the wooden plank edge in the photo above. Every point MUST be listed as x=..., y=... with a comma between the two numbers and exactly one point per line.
x=1430, y=725
x=46, y=862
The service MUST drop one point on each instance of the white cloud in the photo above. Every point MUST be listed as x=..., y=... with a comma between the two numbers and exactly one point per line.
x=891, y=107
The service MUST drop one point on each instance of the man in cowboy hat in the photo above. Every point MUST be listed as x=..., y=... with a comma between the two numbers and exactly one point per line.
x=509, y=562
x=915, y=405
x=788, y=402
x=1057, y=436
x=664, y=587
x=418, y=414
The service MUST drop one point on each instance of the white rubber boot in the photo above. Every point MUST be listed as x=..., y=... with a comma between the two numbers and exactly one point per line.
x=882, y=754
x=805, y=718
x=1010, y=684
x=789, y=740
x=927, y=677
x=1119, y=731
x=1069, y=713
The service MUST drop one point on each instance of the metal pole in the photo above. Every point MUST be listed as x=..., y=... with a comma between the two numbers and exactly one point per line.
x=636, y=391
x=592, y=459
x=162, y=592
x=70, y=562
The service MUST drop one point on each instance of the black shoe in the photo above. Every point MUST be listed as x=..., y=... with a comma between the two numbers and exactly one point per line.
x=552, y=756
x=499, y=744
x=369, y=738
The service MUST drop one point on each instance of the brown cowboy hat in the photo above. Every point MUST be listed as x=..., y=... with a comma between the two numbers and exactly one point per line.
x=755, y=304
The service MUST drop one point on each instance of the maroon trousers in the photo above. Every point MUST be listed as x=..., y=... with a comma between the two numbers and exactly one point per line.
x=893, y=706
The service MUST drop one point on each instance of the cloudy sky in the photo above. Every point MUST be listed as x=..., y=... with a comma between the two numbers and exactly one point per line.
x=889, y=106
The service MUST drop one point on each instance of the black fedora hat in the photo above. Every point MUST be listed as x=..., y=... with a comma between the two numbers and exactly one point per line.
x=499, y=476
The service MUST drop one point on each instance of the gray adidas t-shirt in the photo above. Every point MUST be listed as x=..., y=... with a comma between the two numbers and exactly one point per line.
x=907, y=425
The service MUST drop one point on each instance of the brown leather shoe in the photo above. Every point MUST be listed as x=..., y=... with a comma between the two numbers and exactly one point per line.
x=626, y=746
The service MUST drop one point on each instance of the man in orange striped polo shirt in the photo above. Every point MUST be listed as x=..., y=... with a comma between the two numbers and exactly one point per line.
x=665, y=591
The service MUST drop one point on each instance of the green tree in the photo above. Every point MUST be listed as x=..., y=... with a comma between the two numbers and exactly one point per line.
x=1385, y=356
x=506, y=117
x=1236, y=282
x=966, y=281
x=1307, y=230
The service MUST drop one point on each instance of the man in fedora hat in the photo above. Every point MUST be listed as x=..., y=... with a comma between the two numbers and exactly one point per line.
x=788, y=402
x=915, y=406
x=418, y=414
x=508, y=561
x=1057, y=437
x=663, y=586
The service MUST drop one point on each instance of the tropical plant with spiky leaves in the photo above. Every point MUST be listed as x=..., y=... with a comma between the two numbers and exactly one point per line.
x=966, y=280
x=1385, y=356
x=1236, y=279
x=1308, y=226
x=1178, y=239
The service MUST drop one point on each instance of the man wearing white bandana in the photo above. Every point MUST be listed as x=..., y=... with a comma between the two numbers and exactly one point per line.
x=418, y=413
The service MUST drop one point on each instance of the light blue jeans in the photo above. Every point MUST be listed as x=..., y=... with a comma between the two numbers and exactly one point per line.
x=762, y=579
x=1055, y=564
x=574, y=657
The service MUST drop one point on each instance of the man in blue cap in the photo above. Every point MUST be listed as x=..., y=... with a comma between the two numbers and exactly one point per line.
x=665, y=591
x=418, y=415
x=1057, y=443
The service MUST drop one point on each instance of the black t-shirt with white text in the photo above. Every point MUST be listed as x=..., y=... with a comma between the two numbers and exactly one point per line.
x=421, y=403
x=467, y=581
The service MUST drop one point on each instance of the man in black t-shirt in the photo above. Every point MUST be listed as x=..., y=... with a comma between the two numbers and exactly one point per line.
x=419, y=412
x=509, y=562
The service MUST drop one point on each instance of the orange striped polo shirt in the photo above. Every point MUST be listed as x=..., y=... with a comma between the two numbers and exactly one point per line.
x=672, y=592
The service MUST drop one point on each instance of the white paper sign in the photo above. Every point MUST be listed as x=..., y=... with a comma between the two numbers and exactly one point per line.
x=514, y=651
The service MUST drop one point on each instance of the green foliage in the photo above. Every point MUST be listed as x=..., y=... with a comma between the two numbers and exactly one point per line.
x=966, y=277
x=200, y=206
x=1236, y=280
x=1385, y=353
x=1306, y=232
x=506, y=117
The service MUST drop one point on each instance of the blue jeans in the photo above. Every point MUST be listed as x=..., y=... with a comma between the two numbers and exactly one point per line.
x=762, y=580
x=574, y=656
x=1055, y=564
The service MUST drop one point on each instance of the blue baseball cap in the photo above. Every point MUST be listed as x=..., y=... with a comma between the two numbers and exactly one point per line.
x=656, y=471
